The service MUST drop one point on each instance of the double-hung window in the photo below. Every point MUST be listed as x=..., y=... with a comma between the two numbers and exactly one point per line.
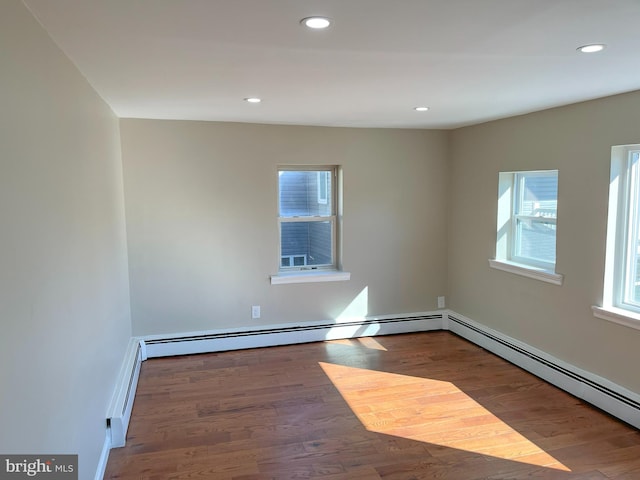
x=527, y=222
x=535, y=210
x=622, y=265
x=307, y=218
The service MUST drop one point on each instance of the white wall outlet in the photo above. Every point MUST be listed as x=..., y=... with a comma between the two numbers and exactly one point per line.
x=255, y=311
x=441, y=303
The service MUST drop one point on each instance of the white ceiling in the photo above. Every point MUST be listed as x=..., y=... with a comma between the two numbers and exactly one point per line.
x=468, y=60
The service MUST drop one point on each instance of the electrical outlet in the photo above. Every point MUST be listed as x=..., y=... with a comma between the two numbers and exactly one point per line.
x=255, y=311
x=441, y=302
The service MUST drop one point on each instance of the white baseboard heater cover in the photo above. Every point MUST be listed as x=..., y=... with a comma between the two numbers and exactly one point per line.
x=219, y=341
x=122, y=402
x=600, y=392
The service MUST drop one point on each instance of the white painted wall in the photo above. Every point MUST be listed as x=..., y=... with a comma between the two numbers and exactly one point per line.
x=201, y=202
x=577, y=141
x=64, y=304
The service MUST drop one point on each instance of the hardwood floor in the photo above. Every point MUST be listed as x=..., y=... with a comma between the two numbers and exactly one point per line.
x=406, y=407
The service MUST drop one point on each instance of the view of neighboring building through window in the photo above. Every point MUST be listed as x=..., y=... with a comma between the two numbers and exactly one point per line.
x=622, y=279
x=307, y=217
x=527, y=216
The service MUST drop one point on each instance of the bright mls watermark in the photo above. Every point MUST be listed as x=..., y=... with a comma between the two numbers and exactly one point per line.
x=51, y=467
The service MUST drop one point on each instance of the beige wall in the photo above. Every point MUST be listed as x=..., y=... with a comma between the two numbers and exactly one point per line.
x=420, y=215
x=577, y=141
x=201, y=202
x=64, y=305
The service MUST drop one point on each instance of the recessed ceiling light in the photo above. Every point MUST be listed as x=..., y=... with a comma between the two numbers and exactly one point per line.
x=253, y=99
x=316, y=22
x=421, y=109
x=591, y=48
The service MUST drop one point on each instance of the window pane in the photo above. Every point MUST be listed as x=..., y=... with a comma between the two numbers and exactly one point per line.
x=538, y=195
x=633, y=287
x=306, y=243
x=536, y=240
x=305, y=193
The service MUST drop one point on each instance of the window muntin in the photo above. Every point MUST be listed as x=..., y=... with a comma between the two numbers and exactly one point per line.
x=307, y=217
x=624, y=258
x=527, y=218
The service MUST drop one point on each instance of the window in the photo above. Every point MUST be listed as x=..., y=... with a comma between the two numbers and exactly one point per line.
x=622, y=266
x=307, y=218
x=526, y=229
x=535, y=209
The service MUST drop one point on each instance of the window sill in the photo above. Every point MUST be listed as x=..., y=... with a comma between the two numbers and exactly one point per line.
x=310, y=277
x=617, y=315
x=527, y=271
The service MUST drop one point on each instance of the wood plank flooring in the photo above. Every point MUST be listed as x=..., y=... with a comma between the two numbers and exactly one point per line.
x=402, y=407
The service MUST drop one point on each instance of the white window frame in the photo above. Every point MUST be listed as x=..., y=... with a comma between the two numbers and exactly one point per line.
x=315, y=273
x=507, y=258
x=292, y=258
x=622, y=228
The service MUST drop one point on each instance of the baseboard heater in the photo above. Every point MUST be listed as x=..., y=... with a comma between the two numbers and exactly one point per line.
x=122, y=402
x=602, y=393
x=606, y=395
x=138, y=350
x=287, y=334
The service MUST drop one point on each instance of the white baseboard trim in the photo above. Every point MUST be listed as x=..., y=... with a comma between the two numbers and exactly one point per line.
x=287, y=334
x=604, y=394
x=104, y=456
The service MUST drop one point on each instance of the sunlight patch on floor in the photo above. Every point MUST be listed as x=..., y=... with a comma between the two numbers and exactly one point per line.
x=431, y=411
x=367, y=342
